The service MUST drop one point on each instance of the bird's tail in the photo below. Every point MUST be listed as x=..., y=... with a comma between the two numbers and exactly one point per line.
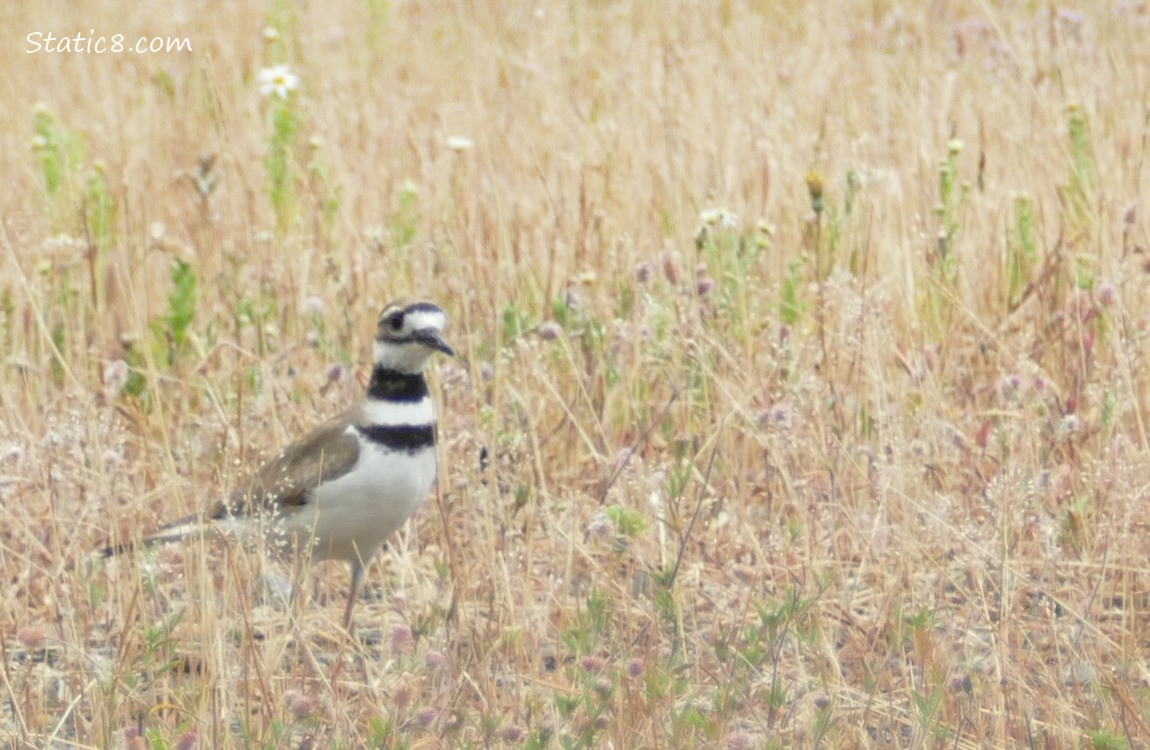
x=185, y=528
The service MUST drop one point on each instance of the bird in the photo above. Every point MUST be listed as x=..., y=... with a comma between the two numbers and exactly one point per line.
x=341, y=490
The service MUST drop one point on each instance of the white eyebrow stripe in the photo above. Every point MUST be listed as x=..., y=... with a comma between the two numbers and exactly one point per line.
x=418, y=320
x=381, y=412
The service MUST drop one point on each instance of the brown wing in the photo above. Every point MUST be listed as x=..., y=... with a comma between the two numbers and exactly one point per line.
x=327, y=452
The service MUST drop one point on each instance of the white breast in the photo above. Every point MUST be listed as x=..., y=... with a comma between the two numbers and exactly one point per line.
x=399, y=412
x=351, y=517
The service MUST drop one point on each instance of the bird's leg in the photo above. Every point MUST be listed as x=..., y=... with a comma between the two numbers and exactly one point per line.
x=357, y=570
x=297, y=601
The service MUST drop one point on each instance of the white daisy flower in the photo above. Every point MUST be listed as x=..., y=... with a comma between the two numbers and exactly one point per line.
x=719, y=216
x=460, y=143
x=278, y=80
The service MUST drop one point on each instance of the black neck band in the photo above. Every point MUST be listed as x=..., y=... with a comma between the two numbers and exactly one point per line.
x=405, y=437
x=392, y=385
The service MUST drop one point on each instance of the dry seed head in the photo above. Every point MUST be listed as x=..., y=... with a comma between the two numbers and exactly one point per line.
x=739, y=741
x=402, y=639
x=1107, y=294
x=115, y=376
x=815, y=190
x=815, y=184
x=701, y=236
x=1009, y=387
x=961, y=683
x=31, y=637
x=512, y=733
x=592, y=663
x=313, y=305
x=671, y=268
x=942, y=244
x=550, y=330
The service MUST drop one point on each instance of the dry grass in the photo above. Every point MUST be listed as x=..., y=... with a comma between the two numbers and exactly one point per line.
x=720, y=470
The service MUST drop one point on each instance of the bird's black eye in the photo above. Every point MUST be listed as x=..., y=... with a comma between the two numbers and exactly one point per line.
x=396, y=321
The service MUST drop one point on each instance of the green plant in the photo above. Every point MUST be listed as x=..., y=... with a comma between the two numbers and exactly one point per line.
x=181, y=310
x=1021, y=251
x=406, y=216
x=791, y=305
x=57, y=149
x=279, y=160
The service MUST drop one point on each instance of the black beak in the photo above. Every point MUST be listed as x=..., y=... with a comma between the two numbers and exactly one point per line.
x=435, y=341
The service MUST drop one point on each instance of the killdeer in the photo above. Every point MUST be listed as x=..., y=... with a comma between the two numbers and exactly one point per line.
x=341, y=490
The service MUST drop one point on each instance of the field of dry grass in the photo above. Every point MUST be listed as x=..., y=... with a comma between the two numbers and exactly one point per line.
x=801, y=390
